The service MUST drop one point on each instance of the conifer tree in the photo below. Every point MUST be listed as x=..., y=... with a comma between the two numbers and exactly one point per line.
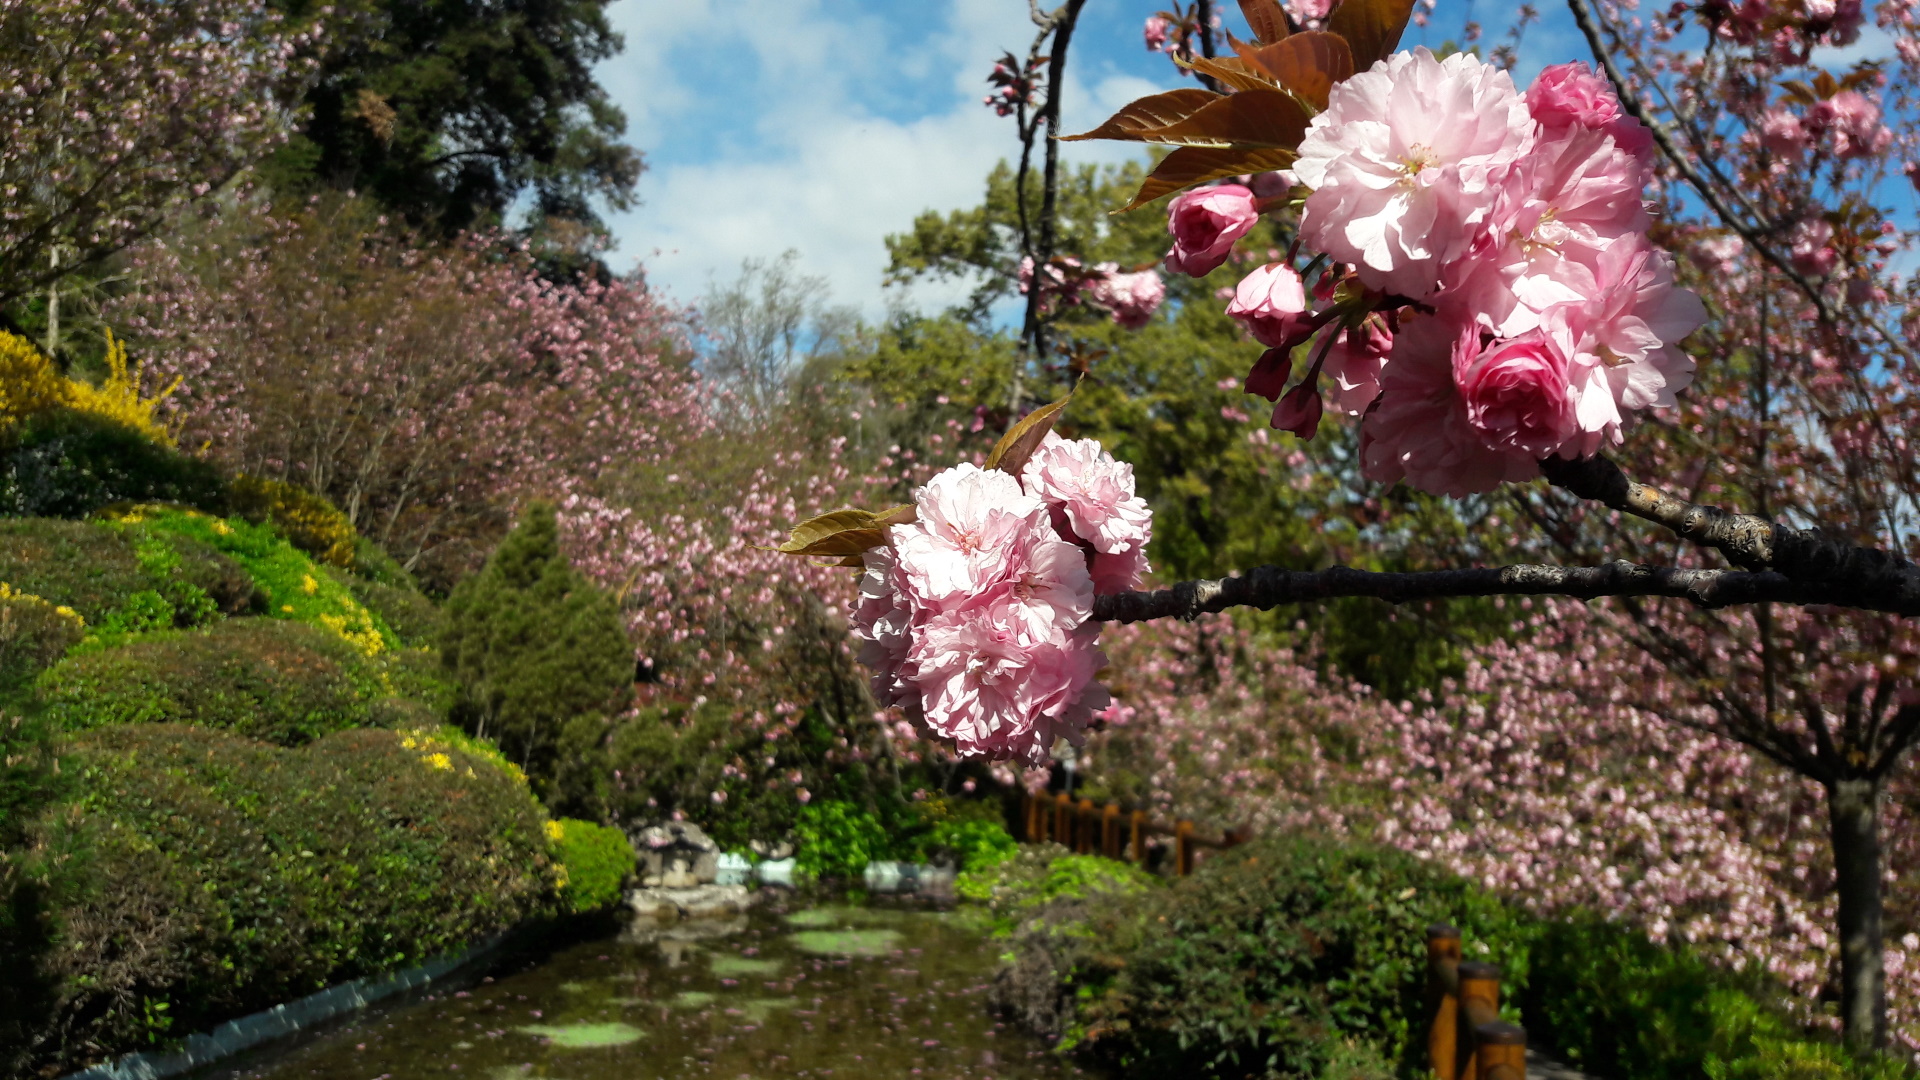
x=535, y=645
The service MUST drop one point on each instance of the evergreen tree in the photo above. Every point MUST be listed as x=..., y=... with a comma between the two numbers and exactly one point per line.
x=535, y=646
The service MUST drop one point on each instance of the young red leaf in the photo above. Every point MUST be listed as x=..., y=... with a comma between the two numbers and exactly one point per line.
x=1308, y=64
x=1372, y=28
x=1153, y=113
x=1231, y=71
x=1269, y=23
x=1192, y=165
x=1010, y=454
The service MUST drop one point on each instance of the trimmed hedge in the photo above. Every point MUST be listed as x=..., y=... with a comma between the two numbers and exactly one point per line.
x=221, y=874
x=595, y=861
x=1286, y=956
x=308, y=521
x=282, y=682
x=68, y=464
x=96, y=569
x=34, y=635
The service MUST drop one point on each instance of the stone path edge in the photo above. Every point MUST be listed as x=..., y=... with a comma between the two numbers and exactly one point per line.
x=290, y=1018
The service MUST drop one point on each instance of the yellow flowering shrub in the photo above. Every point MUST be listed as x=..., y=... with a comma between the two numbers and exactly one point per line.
x=34, y=634
x=30, y=384
x=308, y=521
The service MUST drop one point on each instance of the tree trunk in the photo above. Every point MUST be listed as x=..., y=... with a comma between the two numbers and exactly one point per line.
x=1853, y=811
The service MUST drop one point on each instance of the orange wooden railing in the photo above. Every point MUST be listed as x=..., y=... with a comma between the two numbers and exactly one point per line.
x=1466, y=1039
x=1116, y=832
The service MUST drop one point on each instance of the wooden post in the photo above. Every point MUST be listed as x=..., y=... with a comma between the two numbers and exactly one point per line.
x=1502, y=1051
x=1479, y=1004
x=1033, y=819
x=1110, y=831
x=1183, y=847
x=1063, y=819
x=1085, y=840
x=1443, y=1005
x=1138, y=840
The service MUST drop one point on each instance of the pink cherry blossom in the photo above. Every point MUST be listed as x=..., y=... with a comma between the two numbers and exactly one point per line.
x=1155, y=33
x=1851, y=123
x=997, y=691
x=1574, y=95
x=1299, y=409
x=969, y=536
x=1119, y=572
x=1406, y=163
x=1517, y=393
x=1271, y=303
x=1205, y=223
x=1091, y=496
x=1354, y=361
x=1812, y=252
x=1782, y=132
x=882, y=619
x=1131, y=298
x=1420, y=431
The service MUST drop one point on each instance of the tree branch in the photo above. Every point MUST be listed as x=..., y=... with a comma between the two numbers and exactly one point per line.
x=1845, y=574
x=1270, y=586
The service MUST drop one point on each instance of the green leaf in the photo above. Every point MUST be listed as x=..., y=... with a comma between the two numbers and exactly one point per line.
x=1372, y=28
x=849, y=533
x=1010, y=454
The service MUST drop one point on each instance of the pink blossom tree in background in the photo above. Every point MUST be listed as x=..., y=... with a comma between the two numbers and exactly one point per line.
x=426, y=391
x=1484, y=279
x=117, y=111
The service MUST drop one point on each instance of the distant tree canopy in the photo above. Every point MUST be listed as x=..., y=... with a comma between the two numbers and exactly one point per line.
x=448, y=112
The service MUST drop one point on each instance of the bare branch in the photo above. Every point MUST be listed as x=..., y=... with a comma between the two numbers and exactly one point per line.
x=1269, y=586
x=1847, y=575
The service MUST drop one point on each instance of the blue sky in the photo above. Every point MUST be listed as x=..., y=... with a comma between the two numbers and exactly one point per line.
x=824, y=125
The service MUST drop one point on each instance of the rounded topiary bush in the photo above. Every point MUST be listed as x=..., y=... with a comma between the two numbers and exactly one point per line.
x=270, y=679
x=66, y=463
x=1276, y=958
x=95, y=568
x=596, y=860
x=221, y=873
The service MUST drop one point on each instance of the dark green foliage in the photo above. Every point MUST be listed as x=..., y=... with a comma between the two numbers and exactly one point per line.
x=597, y=859
x=837, y=839
x=1270, y=959
x=67, y=464
x=283, y=682
x=34, y=635
x=449, y=111
x=223, y=874
x=534, y=644
x=406, y=610
x=96, y=569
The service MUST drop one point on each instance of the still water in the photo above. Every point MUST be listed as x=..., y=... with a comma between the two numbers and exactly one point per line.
x=849, y=992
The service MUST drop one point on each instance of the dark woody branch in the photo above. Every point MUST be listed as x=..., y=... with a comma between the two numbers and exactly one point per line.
x=1270, y=586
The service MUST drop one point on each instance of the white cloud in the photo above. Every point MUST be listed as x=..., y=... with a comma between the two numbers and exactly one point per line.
x=797, y=155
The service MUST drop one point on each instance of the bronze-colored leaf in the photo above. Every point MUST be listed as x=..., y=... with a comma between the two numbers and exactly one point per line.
x=1250, y=119
x=1372, y=28
x=904, y=514
x=1232, y=71
x=1152, y=113
x=1010, y=454
x=1308, y=64
x=1192, y=165
x=1269, y=23
x=842, y=532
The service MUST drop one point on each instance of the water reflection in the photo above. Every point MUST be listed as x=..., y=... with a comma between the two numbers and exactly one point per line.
x=821, y=992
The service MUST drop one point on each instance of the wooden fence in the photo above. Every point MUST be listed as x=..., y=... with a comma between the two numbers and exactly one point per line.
x=1466, y=1039
x=1115, y=832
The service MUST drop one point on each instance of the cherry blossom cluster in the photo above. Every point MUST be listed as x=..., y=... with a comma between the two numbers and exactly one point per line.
x=1014, y=84
x=1130, y=296
x=974, y=617
x=1489, y=296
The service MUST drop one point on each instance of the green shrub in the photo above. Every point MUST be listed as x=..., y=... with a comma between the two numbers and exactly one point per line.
x=282, y=682
x=222, y=874
x=295, y=587
x=34, y=635
x=1271, y=959
x=68, y=464
x=596, y=860
x=838, y=839
x=534, y=644
x=97, y=568
x=413, y=618
x=307, y=521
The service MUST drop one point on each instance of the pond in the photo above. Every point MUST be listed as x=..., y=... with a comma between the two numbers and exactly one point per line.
x=815, y=992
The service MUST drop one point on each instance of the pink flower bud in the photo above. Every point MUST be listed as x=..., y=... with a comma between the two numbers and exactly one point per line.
x=1299, y=411
x=1271, y=303
x=1205, y=224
